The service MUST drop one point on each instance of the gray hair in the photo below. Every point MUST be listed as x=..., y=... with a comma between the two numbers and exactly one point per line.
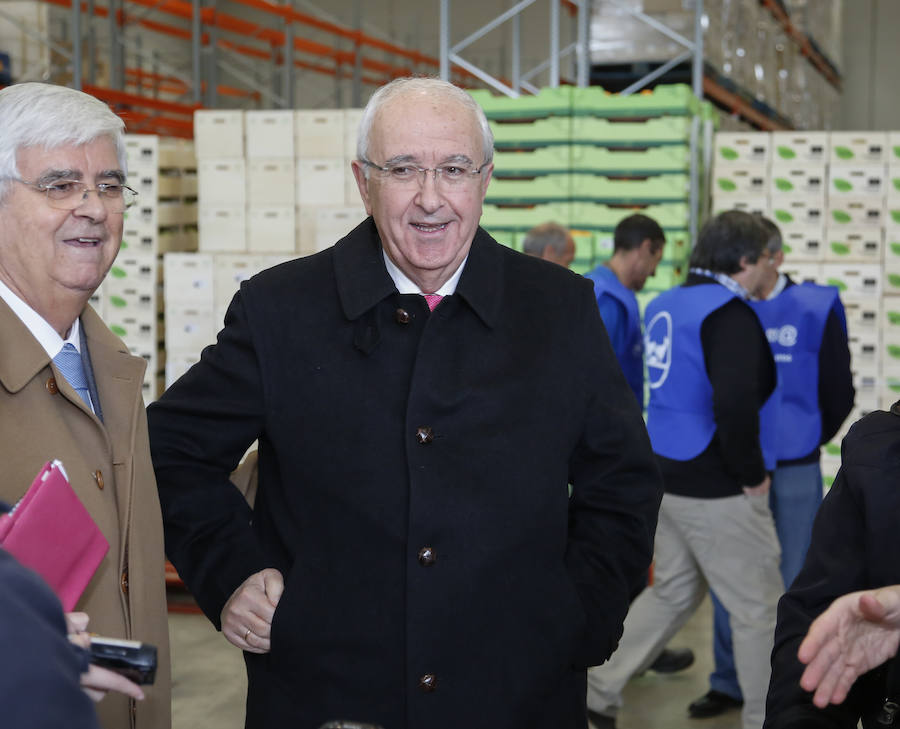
x=546, y=234
x=422, y=85
x=48, y=116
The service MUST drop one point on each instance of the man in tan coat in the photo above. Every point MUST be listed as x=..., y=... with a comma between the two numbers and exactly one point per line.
x=62, y=202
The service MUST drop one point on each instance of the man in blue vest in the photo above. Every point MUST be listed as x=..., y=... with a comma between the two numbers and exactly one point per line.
x=807, y=330
x=711, y=375
x=552, y=242
x=637, y=249
x=638, y=242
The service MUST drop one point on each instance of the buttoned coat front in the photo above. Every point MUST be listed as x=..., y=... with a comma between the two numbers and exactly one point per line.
x=108, y=464
x=413, y=489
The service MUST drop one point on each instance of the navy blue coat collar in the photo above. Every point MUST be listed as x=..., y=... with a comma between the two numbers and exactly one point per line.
x=363, y=280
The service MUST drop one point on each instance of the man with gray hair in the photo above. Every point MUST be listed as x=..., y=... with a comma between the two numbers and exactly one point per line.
x=552, y=242
x=70, y=389
x=414, y=557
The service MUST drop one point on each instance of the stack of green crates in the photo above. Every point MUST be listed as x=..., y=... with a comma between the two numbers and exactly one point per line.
x=586, y=159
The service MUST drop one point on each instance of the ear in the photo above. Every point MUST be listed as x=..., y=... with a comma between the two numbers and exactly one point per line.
x=744, y=262
x=779, y=258
x=362, y=182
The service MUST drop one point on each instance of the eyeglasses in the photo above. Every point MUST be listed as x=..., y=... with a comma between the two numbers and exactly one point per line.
x=447, y=177
x=70, y=194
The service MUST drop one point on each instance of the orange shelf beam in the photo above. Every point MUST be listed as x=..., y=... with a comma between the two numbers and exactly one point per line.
x=739, y=106
x=802, y=40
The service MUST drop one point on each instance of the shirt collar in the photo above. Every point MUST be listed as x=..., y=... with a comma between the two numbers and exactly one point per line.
x=406, y=286
x=724, y=279
x=779, y=286
x=40, y=329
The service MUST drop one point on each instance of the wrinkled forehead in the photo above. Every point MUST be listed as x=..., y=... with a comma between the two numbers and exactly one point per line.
x=97, y=158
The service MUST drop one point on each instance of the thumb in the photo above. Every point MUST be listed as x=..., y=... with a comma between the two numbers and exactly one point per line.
x=274, y=585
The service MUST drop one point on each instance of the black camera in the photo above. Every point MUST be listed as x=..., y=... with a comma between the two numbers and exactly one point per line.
x=136, y=661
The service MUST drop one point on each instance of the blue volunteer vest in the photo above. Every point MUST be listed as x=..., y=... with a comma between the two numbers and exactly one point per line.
x=795, y=323
x=680, y=412
x=632, y=359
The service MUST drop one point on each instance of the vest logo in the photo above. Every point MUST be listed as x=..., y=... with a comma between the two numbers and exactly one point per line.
x=785, y=336
x=658, y=348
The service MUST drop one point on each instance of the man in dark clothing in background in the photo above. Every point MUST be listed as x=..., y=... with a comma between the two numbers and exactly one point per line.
x=807, y=330
x=711, y=376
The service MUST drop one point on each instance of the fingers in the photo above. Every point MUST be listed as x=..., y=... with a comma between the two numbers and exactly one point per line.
x=97, y=681
x=247, y=616
x=76, y=622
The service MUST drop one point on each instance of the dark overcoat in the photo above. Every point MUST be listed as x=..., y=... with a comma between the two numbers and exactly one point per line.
x=413, y=489
x=855, y=546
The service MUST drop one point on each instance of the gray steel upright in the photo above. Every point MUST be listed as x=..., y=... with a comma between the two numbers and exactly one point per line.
x=76, y=44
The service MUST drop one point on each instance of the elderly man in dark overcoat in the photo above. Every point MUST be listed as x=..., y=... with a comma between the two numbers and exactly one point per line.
x=457, y=496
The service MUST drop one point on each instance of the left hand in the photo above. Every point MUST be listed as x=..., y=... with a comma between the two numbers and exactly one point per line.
x=858, y=632
x=97, y=682
x=761, y=488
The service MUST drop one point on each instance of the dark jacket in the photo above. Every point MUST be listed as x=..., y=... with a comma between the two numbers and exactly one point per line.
x=854, y=546
x=413, y=473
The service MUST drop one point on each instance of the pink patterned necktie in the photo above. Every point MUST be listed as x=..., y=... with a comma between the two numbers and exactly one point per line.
x=432, y=300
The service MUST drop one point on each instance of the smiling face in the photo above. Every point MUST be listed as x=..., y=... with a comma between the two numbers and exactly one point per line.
x=55, y=259
x=425, y=231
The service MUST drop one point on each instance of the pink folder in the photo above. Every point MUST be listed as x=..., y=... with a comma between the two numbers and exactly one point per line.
x=50, y=531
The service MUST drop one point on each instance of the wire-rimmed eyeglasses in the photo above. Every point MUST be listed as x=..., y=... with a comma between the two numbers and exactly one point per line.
x=448, y=176
x=70, y=194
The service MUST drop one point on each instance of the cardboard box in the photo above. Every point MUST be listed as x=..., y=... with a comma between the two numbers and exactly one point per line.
x=318, y=133
x=744, y=180
x=889, y=320
x=218, y=133
x=141, y=151
x=222, y=229
x=229, y=271
x=189, y=328
x=270, y=182
x=305, y=229
x=352, y=118
x=320, y=181
x=864, y=314
x=742, y=148
x=139, y=240
x=803, y=243
x=798, y=179
x=860, y=279
x=801, y=272
x=856, y=244
x=857, y=181
x=855, y=211
x=858, y=148
x=794, y=147
x=758, y=204
x=269, y=134
x=188, y=279
x=222, y=182
x=332, y=224
x=133, y=270
x=798, y=210
x=865, y=357
x=270, y=229
x=891, y=285
x=179, y=362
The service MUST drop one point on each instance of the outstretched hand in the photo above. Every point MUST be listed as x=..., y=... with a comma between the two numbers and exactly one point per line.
x=858, y=632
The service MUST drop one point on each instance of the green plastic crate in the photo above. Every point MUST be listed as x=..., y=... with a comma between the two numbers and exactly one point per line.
x=529, y=135
x=547, y=102
x=631, y=134
x=598, y=217
x=589, y=188
x=662, y=100
x=593, y=160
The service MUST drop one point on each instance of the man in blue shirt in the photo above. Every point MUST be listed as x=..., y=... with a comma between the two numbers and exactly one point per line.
x=637, y=248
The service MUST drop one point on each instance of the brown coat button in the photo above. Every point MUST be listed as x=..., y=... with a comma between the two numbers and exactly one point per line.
x=402, y=316
x=124, y=581
x=51, y=385
x=98, y=477
x=424, y=435
x=427, y=556
x=428, y=682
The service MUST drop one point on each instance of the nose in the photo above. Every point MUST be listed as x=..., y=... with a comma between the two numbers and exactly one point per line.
x=91, y=206
x=428, y=196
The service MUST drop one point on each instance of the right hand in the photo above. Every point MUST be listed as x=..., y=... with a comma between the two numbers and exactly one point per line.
x=252, y=607
x=760, y=488
x=858, y=632
x=97, y=681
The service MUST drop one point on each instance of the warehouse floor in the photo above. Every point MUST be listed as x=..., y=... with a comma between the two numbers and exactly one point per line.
x=210, y=685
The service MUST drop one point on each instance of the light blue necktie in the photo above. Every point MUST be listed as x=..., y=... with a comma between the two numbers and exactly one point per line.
x=68, y=362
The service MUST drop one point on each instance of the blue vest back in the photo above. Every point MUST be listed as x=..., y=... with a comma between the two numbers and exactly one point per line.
x=680, y=412
x=632, y=359
x=794, y=322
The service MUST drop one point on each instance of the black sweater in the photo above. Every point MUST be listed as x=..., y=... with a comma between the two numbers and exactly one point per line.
x=741, y=371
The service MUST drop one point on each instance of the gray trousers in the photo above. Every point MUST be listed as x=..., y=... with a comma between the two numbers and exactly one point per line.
x=728, y=544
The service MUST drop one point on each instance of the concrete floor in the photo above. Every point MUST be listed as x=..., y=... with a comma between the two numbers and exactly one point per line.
x=210, y=685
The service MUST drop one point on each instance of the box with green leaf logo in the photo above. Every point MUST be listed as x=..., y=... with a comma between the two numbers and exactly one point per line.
x=798, y=147
x=865, y=358
x=892, y=244
x=860, y=244
x=863, y=313
x=858, y=148
x=855, y=211
x=889, y=321
x=803, y=271
x=798, y=210
x=803, y=242
x=892, y=279
x=741, y=148
x=753, y=204
x=857, y=181
x=859, y=279
x=743, y=179
x=797, y=179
